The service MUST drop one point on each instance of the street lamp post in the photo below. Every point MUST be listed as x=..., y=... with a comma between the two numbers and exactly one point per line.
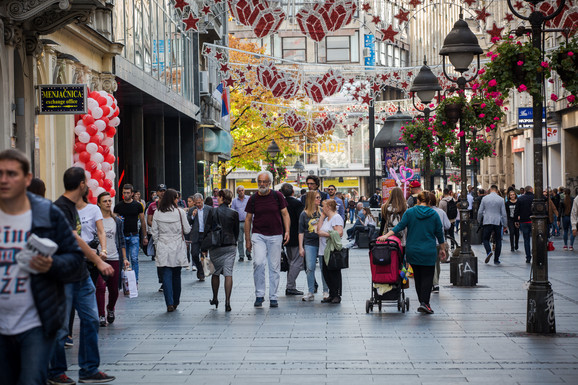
x=460, y=45
x=299, y=167
x=540, y=316
x=425, y=85
x=273, y=150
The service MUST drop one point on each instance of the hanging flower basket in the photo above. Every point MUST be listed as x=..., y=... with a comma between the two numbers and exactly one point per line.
x=564, y=61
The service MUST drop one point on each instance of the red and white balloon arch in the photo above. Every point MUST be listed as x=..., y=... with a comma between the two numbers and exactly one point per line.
x=94, y=143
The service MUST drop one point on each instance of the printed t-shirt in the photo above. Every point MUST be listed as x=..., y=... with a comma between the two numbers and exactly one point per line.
x=308, y=227
x=327, y=226
x=110, y=231
x=88, y=217
x=130, y=212
x=17, y=309
x=266, y=210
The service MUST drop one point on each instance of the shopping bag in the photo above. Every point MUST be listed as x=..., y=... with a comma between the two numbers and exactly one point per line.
x=284, y=261
x=129, y=284
x=208, y=267
x=124, y=280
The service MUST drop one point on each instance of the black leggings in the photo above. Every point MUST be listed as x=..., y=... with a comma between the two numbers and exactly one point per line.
x=332, y=278
x=423, y=279
x=514, y=234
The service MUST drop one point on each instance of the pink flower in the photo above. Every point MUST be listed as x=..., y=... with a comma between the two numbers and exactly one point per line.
x=522, y=88
x=481, y=116
x=492, y=83
x=554, y=97
x=482, y=71
x=496, y=119
x=489, y=54
x=492, y=126
x=460, y=134
x=411, y=135
x=406, y=148
x=495, y=39
x=475, y=86
x=483, y=105
x=444, y=123
x=571, y=98
x=544, y=64
x=431, y=149
x=488, y=129
x=570, y=53
x=493, y=57
x=520, y=63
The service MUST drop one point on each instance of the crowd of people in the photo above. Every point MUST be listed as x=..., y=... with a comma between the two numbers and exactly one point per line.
x=93, y=244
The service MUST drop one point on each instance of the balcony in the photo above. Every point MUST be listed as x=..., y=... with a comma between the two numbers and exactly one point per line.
x=210, y=111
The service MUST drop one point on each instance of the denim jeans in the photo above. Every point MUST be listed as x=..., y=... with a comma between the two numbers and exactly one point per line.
x=567, y=226
x=487, y=234
x=311, y=258
x=24, y=357
x=352, y=215
x=132, y=244
x=241, y=240
x=526, y=229
x=266, y=249
x=82, y=296
x=555, y=228
x=171, y=284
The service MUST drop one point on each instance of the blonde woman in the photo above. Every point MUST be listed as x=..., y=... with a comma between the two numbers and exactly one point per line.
x=330, y=221
x=392, y=212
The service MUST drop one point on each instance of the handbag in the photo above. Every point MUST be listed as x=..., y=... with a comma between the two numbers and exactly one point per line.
x=338, y=259
x=212, y=237
x=208, y=267
x=284, y=261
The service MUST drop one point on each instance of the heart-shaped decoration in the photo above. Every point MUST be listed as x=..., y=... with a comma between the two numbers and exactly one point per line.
x=404, y=174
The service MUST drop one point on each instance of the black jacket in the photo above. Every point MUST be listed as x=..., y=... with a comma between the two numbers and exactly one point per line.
x=48, y=288
x=524, y=208
x=229, y=221
x=294, y=207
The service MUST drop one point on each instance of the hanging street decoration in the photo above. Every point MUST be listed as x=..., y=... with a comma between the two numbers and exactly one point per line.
x=280, y=83
x=317, y=20
x=257, y=14
x=318, y=88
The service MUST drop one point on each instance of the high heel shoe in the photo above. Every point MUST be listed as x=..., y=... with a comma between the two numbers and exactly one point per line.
x=227, y=307
x=214, y=302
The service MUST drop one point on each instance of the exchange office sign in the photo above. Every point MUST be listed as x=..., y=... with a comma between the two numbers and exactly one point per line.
x=63, y=98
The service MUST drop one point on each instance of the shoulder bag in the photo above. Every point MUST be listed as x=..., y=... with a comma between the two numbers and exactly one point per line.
x=213, y=233
x=284, y=260
x=338, y=259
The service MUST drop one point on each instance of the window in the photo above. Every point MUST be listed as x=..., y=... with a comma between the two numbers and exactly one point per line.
x=294, y=48
x=338, y=48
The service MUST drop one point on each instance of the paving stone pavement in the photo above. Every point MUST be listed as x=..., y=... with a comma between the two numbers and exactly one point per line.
x=477, y=335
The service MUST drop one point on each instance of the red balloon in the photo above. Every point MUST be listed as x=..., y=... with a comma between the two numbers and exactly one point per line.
x=93, y=200
x=113, y=106
x=91, y=129
x=107, y=185
x=110, y=159
x=94, y=95
x=100, y=149
x=87, y=119
x=79, y=147
x=116, y=112
x=110, y=131
x=95, y=139
x=105, y=120
x=105, y=151
x=105, y=110
x=112, y=192
x=91, y=166
x=100, y=183
x=84, y=156
x=98, y=175
x=101, y=101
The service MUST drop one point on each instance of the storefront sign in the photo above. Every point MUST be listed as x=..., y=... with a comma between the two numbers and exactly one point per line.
x=525, y=117
x=63, y=99
x=518, y=143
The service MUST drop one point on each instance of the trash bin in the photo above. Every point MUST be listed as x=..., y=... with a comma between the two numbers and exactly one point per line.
x=476, y=232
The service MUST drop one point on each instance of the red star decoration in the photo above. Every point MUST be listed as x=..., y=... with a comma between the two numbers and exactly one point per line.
x=191, y=22
x=206, y=10
x=482, y=14
x=268, y=123
x=495, y=31
x=242, y=79
x=396, y=75
x=229, y=82
x=249, y=67
x=264, y=116
x=355, y=125
x=410, y=74
x=351, y=80
x=367, y=99
x=404, y=85
x=360, y=119
x=376, y=87
x=248, y=90
x=388, y=34
x=366, y=7
x=469, y=2
x=414, y=3
x=376, y=19
x=219, y=55
x=181, y=4
x=509, y=17
x=349, y=132
x=217, y=1
x=224, y=68
x=402, y=16
x=357, y=89
x=518, y=5
x=208, y=50
x=355, y=96
x=384, y=77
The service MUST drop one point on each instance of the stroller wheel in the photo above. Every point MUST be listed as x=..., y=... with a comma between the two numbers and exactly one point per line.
x=379, y=305
x=367, y=306
x=399, y=304
x=407, y=304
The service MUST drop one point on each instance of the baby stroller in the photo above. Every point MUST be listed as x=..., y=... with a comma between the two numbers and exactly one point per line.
x=386, y=260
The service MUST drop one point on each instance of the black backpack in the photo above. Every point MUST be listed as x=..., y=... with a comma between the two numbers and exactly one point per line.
x=452, y=209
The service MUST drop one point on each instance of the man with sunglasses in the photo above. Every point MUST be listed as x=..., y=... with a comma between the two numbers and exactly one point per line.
x=313, y=184
x=332, y=191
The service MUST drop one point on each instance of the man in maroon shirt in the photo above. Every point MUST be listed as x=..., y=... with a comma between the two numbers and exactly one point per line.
x=268, y=215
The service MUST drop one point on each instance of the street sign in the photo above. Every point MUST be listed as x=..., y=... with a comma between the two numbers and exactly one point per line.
x=63, y=99
x=369, y=43
x=525, y=117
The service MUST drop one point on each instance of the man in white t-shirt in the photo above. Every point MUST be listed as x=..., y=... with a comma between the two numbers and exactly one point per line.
x=92, y=232
x=32, y=305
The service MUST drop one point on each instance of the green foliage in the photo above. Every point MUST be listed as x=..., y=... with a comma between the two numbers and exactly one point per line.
x=417, y=135
x=564, y=60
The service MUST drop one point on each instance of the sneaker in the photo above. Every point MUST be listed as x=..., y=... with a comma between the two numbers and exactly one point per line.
x=97, y=378
x=422, y=308
x=497, y=262
x=565, y=248
x=325, y=294
x=161, y=289
x=68, y=342
x=188, y=268
x=528, y=260
x=571, y=248
x=193, y=268
x=61, y=380
x=241, y=259
x=110, y=316
x=259, y=301
x=435, y=289
x=102, y=320
x=488, y=257
x=249, y=256
x=428, y=308
x=336, y=300
x=308, y=297
x=274, y=303
x=293, y=292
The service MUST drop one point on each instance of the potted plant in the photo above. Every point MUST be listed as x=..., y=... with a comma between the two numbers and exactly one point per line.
x=564, y=60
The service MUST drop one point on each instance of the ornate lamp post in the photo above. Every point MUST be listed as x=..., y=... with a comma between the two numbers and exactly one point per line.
x=273, y=150
x=540, y=316
x=425, y=86
x=299, y=167
x=460, y=45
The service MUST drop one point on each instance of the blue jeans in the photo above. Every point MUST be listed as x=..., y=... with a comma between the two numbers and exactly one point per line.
x=352, y=215
x=132, y=244
x=266, y=250
x=81, y=295
x=487, y=234
x=310, y=264
x=24, y=357
x=555, y=228
x=567, y=226
x=526, y=229
x=171, y=285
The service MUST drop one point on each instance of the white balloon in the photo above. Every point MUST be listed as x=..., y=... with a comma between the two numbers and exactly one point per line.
x=110, y=175
x=97, y=157
x=98, y=191
x=111, y=150
x=91, y=148
x=103, y=93
x=99, y=166
x=106, y=167
x=96, y=112
x=75, y=157
x=79, y=164
x=108, y=142
x=109, y=100
x=111, y=112
x=80, y=123
x=86, y=173
x=84, y=137
x=92, y=183
x=100, y=125
x=79, y=129
x=114, y=121
x=91, y=103
x=100, y=135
